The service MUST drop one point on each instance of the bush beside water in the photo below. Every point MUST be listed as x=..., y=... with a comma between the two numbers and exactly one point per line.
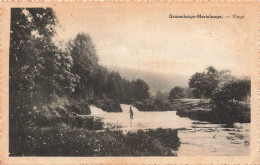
x=219, y=114
x=108, y=105
x=66, y=141
x=154, y=105
x=79, y=107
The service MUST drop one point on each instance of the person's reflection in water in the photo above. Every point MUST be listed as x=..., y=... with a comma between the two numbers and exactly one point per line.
x=130, y=123
x=131, y=113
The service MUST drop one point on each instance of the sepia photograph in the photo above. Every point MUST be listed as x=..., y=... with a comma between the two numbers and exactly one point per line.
x=123, y=80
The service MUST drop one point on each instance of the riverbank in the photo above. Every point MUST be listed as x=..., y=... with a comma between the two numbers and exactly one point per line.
x=108, y=105
x=198, y=109
x=63, y=140
x=202, y=110
x=156, y=105
x=64, y=128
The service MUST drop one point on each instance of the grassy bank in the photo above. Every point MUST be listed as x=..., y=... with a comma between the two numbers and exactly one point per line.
x=108, y=105
x=202, y=110
x=155, y=105
x=62, y=140
x=198, y=109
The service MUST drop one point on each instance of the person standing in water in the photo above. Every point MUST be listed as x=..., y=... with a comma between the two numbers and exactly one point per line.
x=131, y=113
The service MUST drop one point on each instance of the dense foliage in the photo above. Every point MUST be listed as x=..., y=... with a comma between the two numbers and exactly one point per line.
x=96, y=82
x=176, y=93
x=212, y=81
x=47, y=78
x=204, y=83
x=232, y=93
x=60, y=141
x=228, y=98
x=38, y=69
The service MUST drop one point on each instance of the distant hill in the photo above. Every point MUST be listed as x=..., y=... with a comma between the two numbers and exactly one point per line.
x=163, y=82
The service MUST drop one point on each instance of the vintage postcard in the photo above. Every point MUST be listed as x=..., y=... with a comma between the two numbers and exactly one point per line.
x=129, y=82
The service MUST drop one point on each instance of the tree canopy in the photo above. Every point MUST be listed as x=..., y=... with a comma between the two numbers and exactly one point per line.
x=176, y=93
x=204, y=84
x=140, y=89
x=232, y=93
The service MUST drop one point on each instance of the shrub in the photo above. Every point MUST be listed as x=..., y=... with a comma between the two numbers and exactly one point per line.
x=65, y=141
x=109, y=105
x=87, y=122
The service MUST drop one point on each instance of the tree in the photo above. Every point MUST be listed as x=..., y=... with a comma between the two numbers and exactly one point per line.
x=204, y=83
x=176, y=93
x=25, y=23
x=95, y=80
x=225, y=77
x=232, y=93
x=38, y=69
x=140, y=89
x=188, y=93
x=100, y=78
x=197, y=82
x=114, y=85
x=85, y=63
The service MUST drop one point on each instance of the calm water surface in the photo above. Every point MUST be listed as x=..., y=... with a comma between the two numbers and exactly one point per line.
x=197, y=138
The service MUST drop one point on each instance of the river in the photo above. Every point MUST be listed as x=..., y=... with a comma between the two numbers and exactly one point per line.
x=197, y=138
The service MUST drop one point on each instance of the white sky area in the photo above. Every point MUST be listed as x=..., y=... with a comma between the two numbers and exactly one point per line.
x=151, y=42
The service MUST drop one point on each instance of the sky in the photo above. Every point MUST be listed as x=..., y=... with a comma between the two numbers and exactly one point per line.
x=143, y=38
